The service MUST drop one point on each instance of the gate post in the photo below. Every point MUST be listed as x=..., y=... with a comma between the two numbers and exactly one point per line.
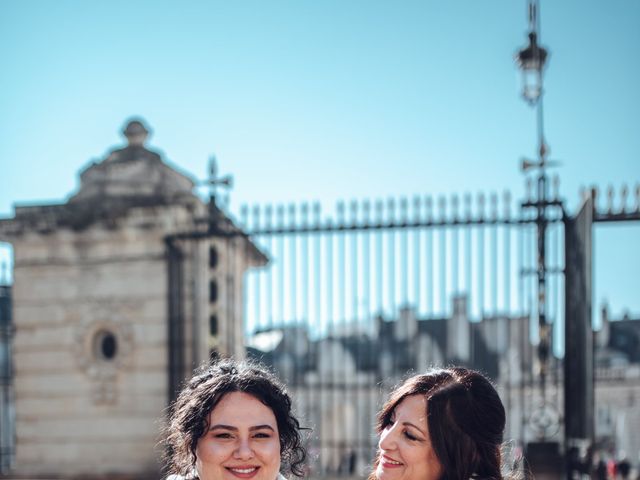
x=578, y=341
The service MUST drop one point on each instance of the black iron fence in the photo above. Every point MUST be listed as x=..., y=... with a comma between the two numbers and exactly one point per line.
x=352, y=301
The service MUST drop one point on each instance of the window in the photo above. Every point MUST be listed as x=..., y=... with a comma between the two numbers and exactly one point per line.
x=213, y=325
x=213, y=257
x=105, y=345
x=213, y=291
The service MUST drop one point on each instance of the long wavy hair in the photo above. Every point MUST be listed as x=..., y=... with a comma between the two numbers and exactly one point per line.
x=189, y=414
x=465, y=417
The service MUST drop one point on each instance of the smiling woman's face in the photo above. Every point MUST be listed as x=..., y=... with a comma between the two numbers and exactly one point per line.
x=242, y=441
x=405, y=451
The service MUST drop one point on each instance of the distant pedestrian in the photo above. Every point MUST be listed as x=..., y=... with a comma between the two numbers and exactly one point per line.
x=600, y=468
x=611, y=468
x=623, y=467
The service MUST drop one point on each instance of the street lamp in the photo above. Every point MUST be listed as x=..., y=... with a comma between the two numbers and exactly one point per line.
x=531, y=61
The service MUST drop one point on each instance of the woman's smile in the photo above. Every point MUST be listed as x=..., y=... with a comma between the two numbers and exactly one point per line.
x=244, y=471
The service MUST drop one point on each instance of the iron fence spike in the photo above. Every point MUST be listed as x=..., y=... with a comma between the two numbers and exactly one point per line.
x=379, y=210
x=467, y=206
x=255, y=213
x=404, y=209
x=340, y=211
x=250, y=216
x=317, y=214
x=494, y=205
x=292, y=215
x=244, y=215
x=454, y=206
x=428, y=204
x=355, y=207
x=442, y=208
x=280, y=216
x=506, y=198
x=624, y=193
x=391, y=209
x=481, y=206
x=417, y=201
x=556, y=187
x=610, y=199
x=268, y=213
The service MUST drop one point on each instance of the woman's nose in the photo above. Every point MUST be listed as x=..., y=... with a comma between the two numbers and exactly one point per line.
x=388, y=439
x=243, y=450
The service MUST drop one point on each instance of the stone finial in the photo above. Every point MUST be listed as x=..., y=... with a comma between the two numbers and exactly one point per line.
x=136, y=133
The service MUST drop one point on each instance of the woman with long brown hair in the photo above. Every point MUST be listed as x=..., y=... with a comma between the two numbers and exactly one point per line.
x=445, y=424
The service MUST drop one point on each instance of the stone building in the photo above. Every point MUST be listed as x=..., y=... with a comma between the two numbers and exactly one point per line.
x=617, y=400
x=118, y=293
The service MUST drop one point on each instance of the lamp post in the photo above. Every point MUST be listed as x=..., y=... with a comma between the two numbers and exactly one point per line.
x=532, y=61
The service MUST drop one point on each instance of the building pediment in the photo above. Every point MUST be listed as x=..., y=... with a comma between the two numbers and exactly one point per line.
x=133, y=172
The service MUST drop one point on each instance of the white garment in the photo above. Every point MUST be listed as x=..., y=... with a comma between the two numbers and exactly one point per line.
x=180, y=477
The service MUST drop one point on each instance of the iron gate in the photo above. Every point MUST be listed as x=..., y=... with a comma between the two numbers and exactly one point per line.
x=351, y=302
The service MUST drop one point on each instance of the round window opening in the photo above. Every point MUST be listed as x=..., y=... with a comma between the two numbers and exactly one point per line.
x=105, y=345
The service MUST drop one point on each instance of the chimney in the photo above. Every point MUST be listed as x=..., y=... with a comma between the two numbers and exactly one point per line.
x=458, y=330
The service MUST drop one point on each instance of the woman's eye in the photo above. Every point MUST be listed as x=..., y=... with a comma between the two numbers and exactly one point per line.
x=262, y=435
x=411, y=437
x=222, y=435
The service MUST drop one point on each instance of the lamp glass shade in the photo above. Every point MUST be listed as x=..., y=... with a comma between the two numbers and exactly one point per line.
x=531, y=85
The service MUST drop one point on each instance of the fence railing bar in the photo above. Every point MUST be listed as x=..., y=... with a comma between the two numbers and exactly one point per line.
x=330, y=226
x=534, y=271
x=599, y=217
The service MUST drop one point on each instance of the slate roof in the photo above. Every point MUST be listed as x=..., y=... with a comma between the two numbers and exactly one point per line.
x=366, y=351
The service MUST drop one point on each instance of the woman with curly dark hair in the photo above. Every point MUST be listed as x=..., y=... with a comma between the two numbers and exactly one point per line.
x=233, y=421
x=445, y=424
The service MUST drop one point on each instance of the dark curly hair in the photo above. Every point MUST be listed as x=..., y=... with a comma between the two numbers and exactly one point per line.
x=465, y=417
x=189, y=414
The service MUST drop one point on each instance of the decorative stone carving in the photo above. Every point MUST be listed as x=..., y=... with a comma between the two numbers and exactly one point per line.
x=103, y=347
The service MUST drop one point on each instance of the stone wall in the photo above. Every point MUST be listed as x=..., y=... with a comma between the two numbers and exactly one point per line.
x=90, y=346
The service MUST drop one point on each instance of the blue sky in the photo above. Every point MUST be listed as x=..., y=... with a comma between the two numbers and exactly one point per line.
x=327, y=100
